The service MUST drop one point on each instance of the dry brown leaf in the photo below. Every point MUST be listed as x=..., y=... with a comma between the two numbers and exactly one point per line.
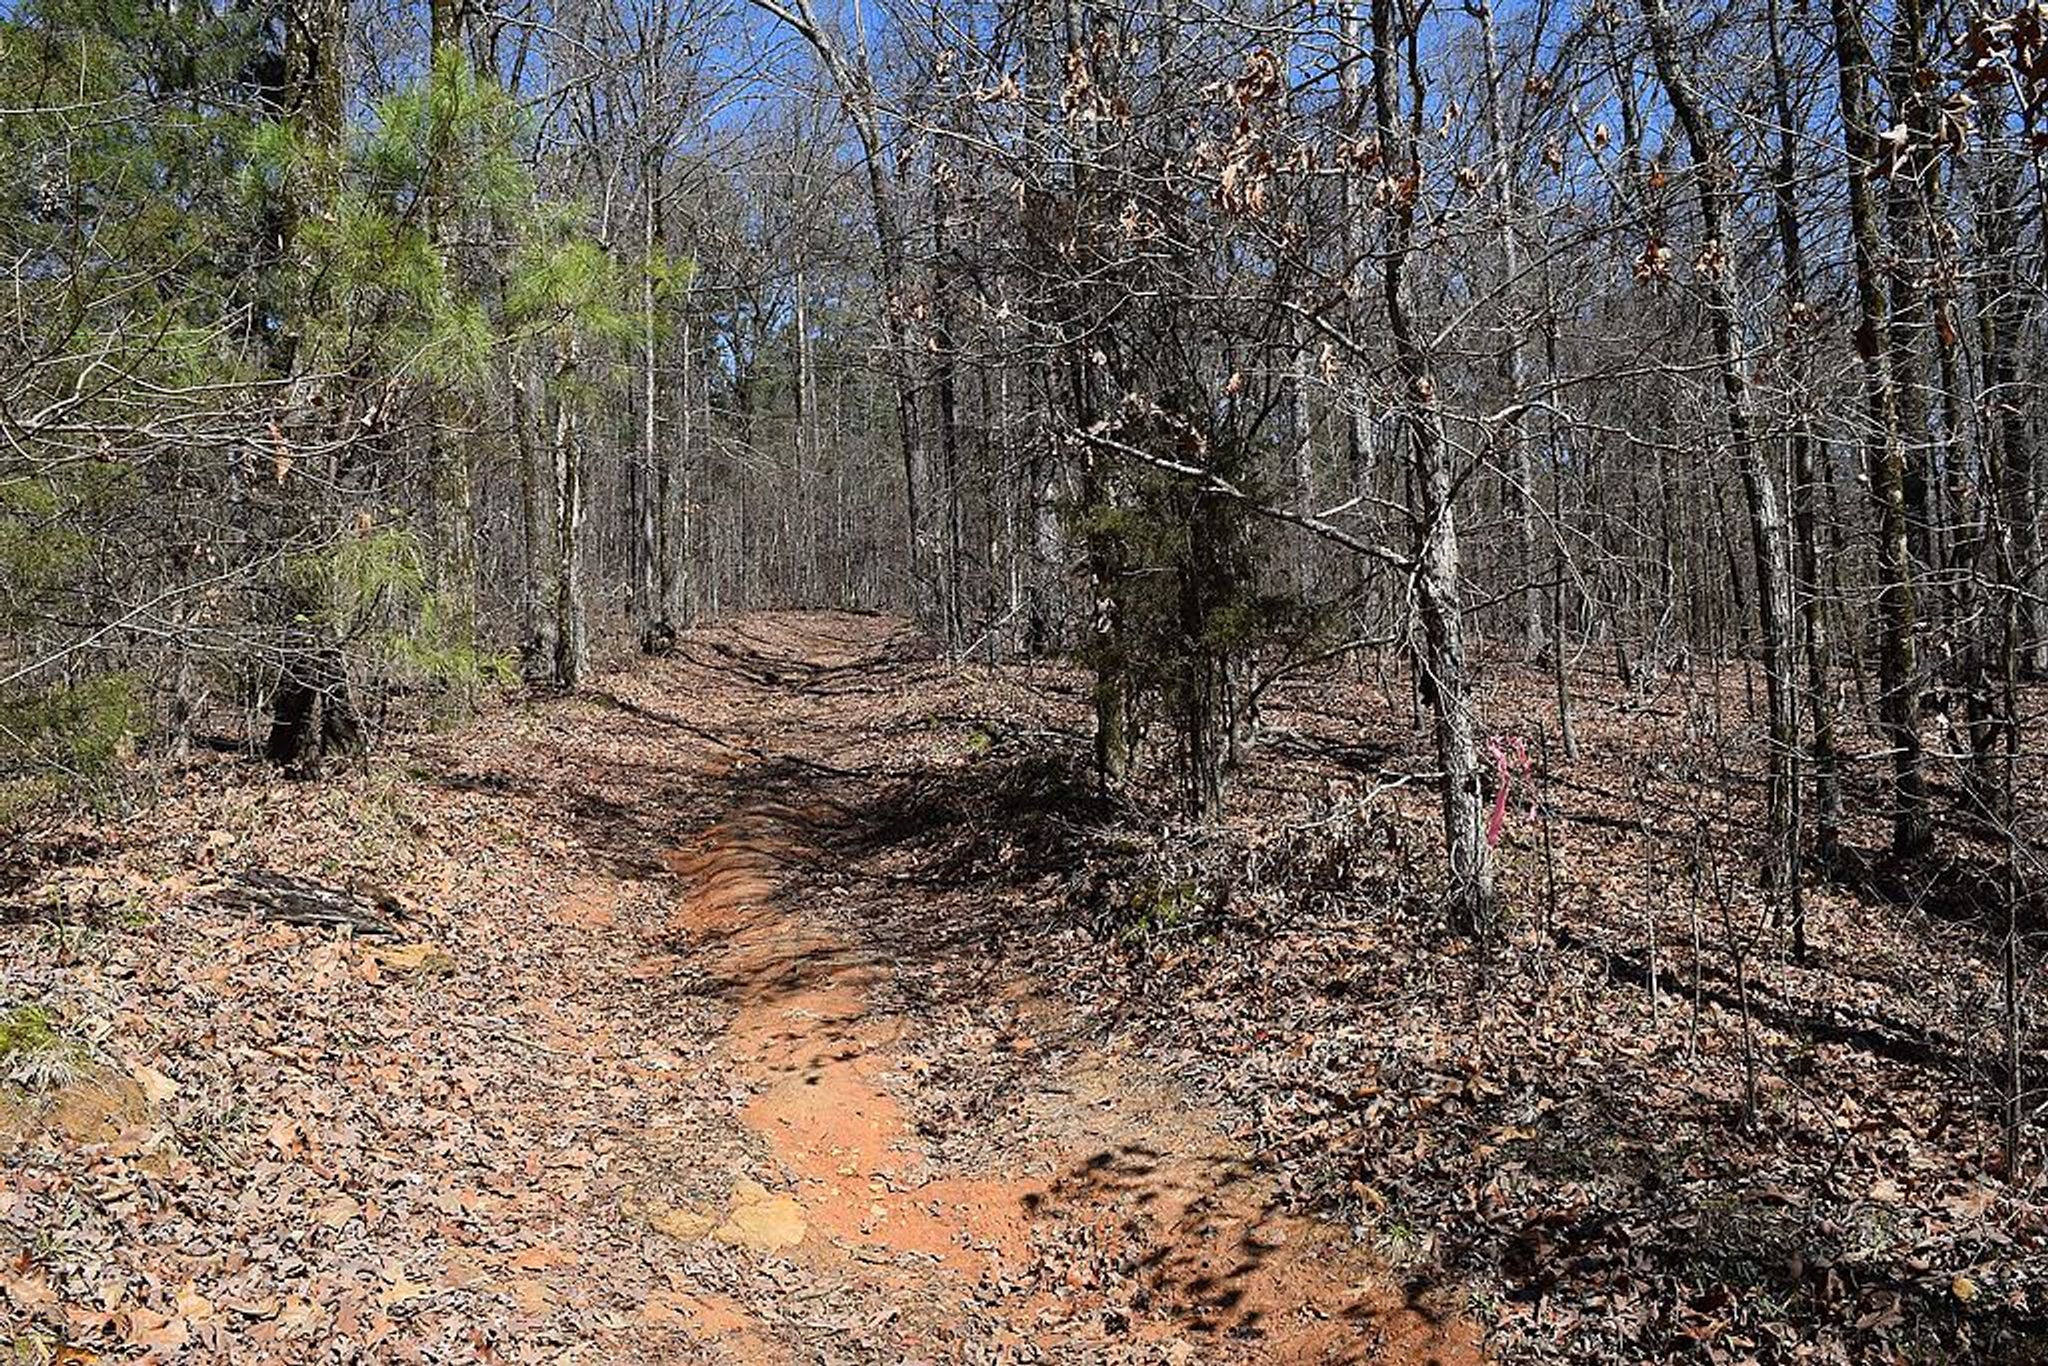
x=157, y=1088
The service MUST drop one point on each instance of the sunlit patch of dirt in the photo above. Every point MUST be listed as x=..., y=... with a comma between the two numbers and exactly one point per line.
x=1209, y=1266
x=98, y=1107
x=803, y=1033
x=1217, y=1257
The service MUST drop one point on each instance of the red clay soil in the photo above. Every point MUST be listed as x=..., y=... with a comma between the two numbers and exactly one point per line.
x=1232, y=1278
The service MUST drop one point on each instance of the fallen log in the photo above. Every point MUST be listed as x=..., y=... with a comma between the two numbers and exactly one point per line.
x=293, y=900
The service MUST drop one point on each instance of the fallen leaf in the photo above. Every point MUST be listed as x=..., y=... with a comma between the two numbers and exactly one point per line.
x=428, y=960
x=162, y=1332
x=401, y=1290
x=30, y=1292
x=337, y=1211
x=157, y=1088
x=193, y=1305
x=539, y=1257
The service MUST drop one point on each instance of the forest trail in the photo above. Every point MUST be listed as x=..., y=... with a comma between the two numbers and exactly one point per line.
x=1113, y=1223
x=687, y=1052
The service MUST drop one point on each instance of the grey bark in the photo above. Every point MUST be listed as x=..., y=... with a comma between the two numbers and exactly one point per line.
x=1883, y=456
x=1441, y=664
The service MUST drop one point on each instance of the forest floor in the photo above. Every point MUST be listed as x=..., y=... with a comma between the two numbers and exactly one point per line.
x=794, y=999
x=665, y=1063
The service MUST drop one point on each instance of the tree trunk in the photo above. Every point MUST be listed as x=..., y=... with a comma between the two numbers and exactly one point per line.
x=857, y=95
x=313, y=714
x=2003, y=515
x=1826, y=812
x=1441, y=663
x=1559, y=567
x=1908, y=179
x=312, y=711
x=572, y=642
x=657, y=628
x=946, y=364
x=1884, y=460
x=675, y=496
x=1351, y=102
x=447, y=445
x=1105, y=600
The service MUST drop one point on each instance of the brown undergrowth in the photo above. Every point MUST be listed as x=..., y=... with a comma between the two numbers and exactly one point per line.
x=1631, y=1129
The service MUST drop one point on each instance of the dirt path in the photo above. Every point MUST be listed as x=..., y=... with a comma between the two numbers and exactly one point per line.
x=1114, y=1224
x=708, y=1077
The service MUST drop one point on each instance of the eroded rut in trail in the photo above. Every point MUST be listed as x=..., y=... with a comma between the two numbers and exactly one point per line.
x=1122, y=1228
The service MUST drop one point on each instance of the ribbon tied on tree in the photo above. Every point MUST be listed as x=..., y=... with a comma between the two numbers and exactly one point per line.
x=1510, y=755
